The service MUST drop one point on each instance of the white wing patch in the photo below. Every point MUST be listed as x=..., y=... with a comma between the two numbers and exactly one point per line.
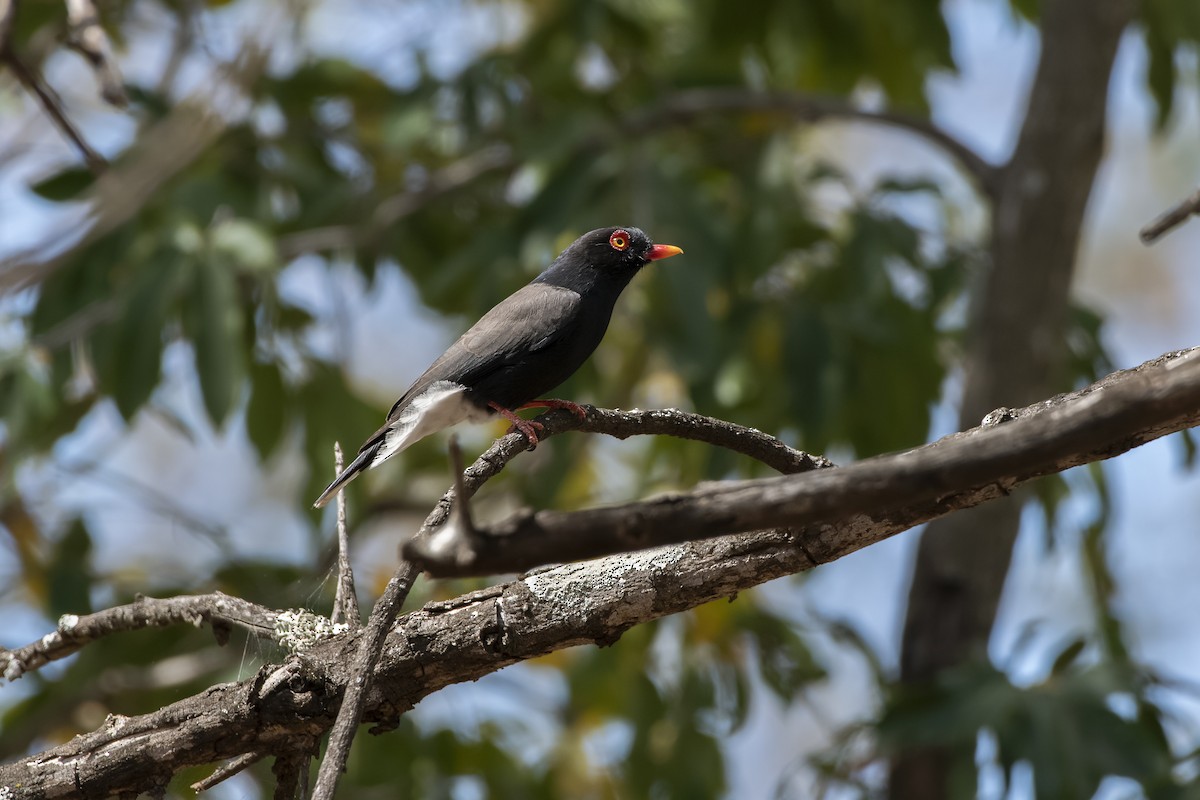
x=439, y=407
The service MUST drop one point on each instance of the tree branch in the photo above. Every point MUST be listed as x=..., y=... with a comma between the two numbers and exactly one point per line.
x=345, y=601
x=1171, y=218
x=359, y=680
x=686, y=107
x=219, y=610
x=52, y=106
x=1124, y=410
x=588, y=602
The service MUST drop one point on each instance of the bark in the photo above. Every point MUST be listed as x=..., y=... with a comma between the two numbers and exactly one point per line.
x=285, y=709
x=1017, y=348
x=958, y=471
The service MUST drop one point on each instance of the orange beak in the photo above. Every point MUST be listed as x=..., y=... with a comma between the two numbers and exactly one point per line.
x=661, y=251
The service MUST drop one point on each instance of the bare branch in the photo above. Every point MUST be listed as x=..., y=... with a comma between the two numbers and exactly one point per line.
x=217, y=609
x=622, y=425
x=345, y=603
x=359, y=680
x=1171, y=218
x=227, y=771
x=86, y=36
x=52, y=105
x=1124, y=410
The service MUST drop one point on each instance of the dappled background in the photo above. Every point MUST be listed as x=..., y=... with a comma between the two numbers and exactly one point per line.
x=304, y=203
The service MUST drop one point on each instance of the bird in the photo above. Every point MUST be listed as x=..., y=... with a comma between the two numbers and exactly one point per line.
x=528, y=344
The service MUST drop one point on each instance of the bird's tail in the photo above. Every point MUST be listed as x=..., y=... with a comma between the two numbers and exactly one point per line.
x=362, y=462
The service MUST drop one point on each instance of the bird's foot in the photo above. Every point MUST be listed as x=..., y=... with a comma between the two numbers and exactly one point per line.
x=525, y=426
x=574, y=408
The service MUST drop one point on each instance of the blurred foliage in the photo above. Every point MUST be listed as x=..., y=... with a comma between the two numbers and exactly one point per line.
x=832, y=323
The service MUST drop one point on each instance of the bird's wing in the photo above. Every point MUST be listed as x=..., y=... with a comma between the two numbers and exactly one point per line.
x=532, y=318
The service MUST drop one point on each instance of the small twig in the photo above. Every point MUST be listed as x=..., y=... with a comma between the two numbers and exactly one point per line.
x=73, y=632
x=461, y=513
x=86, y=36
x=51, y=103
x=1172, y=218
x=387, y=608
x=345, y=603
x=458, y=530
x=227, y=771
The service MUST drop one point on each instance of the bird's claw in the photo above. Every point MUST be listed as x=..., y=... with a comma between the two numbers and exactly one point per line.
x=528, y=427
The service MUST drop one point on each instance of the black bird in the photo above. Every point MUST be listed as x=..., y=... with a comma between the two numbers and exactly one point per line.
x=528, y=344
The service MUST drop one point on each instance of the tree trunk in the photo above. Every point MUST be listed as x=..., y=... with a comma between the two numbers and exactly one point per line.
x=1016, y=350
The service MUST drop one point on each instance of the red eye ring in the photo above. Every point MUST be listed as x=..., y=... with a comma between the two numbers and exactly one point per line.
x=619, y=240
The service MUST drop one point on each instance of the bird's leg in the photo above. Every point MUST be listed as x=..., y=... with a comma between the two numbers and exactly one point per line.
x=574, y=408
x=525, y=426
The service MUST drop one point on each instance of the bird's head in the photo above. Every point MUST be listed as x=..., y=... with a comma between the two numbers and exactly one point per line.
x=608, y=256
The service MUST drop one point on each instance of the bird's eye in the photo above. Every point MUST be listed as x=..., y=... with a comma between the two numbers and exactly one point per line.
x=619, y=240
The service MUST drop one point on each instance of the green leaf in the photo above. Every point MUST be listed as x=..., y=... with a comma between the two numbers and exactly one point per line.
x=1068, y=656
x=139, y=333
x=217, y=331
x=69, y=573
x=266, y=413
x=246, y=244
x=65, y=185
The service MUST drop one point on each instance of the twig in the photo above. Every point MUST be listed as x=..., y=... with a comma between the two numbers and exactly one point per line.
x=1040, y=440
x=345, y=603
x=73, y=632
x=458, y=530
x=619, y=424
x=383, y=616
x=387, y=608
x=151, y=498
x=86, y=36
x=227, y=771
x=1172, y=218
x=287, y=769
x=52, y=105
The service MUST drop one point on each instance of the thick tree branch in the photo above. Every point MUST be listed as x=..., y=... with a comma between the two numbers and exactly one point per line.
x=1121, y=412
x=1016, y=350
x=1171, y=218
x=74, y=632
